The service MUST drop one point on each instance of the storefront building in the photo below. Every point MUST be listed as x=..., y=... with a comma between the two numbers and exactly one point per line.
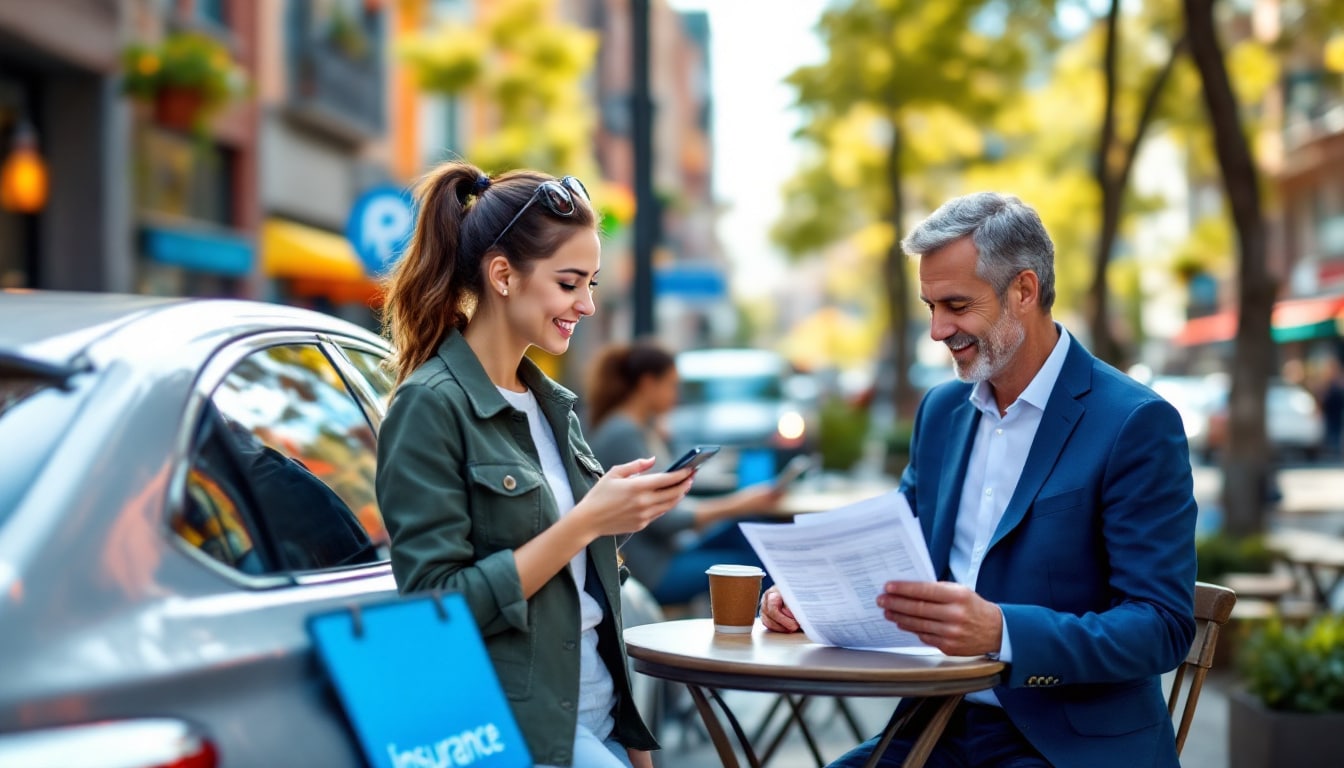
x=63, y=220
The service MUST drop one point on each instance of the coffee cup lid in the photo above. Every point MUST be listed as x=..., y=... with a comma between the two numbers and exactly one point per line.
x=724, y=569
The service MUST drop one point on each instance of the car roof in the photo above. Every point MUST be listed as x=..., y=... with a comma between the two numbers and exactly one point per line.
x=56, y=327
x=716, y=363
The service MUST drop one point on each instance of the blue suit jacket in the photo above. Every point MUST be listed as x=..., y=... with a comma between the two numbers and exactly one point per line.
x=1093, y=563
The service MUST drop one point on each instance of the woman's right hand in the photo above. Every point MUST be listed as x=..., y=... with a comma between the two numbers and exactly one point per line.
x=775, y=615
x=625, y=500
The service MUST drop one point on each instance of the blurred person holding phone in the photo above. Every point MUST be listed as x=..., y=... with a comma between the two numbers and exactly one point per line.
x=485, y=481
x=631, y=388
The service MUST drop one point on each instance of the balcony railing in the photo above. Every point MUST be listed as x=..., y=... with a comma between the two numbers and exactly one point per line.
x=338, y=94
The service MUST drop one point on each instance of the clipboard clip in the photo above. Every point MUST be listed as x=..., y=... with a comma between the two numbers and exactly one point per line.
x=357, y=611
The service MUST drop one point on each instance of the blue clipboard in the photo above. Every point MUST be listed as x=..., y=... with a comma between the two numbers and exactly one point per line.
x=417, y=685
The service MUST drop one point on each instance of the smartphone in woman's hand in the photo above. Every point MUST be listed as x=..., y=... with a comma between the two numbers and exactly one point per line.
x=694, y=457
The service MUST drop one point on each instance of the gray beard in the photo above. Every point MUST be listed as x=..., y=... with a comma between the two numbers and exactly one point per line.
x=993, y=351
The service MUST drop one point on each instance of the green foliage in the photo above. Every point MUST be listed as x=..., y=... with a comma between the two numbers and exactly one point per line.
x=1220, y=554
x=187, y=60
x=530, y=71
x=843, y=427
x=1297, y=669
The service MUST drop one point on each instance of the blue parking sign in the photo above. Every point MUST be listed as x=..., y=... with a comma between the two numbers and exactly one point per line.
x=380, y=226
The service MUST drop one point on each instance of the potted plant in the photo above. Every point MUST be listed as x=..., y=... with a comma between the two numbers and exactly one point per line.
x=1291, y=711
x=185, y=76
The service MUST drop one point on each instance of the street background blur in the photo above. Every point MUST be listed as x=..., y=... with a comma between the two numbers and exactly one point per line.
x=756, y=164
x=264, y=150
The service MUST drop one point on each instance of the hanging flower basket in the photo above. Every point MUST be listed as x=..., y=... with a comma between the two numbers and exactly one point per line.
x=184, y=77
x=178, y=108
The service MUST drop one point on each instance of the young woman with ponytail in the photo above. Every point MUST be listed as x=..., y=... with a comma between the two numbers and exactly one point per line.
x=486, y=484
x=631, y=388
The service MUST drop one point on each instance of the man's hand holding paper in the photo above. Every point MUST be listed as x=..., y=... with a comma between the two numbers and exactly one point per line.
x=945, y=615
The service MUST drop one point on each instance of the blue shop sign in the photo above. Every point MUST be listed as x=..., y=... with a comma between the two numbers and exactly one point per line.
x=202, y=251
x=380, y=226
x=691, y=282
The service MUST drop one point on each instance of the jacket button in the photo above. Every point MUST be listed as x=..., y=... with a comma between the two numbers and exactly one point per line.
x=510, y=483
x=567, y=705
x=569, y=645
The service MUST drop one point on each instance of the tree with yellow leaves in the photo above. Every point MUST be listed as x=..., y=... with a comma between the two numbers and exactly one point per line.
x=527, y=70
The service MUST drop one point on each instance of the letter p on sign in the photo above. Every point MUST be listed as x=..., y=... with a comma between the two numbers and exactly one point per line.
x=380, y=226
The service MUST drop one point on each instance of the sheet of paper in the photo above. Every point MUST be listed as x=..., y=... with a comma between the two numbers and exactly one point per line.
x=830, y=567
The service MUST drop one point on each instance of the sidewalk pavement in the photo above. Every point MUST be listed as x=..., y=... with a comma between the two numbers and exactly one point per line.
x=1311, y=499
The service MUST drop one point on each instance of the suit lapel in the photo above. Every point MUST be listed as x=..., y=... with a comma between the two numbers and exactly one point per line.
x=1062, y=413
x=957, y=452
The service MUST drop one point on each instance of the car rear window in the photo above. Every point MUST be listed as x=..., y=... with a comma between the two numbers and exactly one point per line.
x=730, y=389
x=34, y=414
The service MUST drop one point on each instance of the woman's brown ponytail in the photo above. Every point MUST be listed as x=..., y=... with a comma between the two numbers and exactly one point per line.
x=427, y=289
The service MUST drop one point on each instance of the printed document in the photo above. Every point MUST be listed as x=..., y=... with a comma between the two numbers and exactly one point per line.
x=830, y=567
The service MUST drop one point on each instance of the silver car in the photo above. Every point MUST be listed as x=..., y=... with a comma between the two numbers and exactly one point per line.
x=184, y=481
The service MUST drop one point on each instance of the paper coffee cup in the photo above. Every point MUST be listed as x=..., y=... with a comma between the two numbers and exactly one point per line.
x=733, y=592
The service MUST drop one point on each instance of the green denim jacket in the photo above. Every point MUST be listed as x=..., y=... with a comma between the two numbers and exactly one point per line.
x=460, y=486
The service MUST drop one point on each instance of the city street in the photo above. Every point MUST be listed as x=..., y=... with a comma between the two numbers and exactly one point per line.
x=1313, y=498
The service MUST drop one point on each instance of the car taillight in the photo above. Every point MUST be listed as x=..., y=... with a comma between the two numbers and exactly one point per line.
x=144, y=743
x=203, y=755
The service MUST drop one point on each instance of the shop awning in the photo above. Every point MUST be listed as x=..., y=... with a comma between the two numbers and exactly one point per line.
x=1301, y=319
x=1206, y=330
x=294, y=250
x=315, y=262
x=1292, y=320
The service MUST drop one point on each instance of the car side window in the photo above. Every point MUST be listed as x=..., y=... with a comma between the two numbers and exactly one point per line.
x=283, y=424
x=371, y=366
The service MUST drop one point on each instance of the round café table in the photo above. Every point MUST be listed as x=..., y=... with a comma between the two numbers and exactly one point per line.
x=690, y=651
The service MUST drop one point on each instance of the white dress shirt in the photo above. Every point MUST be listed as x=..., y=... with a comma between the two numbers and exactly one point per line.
x=998, y=455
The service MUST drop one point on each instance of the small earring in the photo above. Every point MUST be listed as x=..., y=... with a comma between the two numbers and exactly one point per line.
x=504, y=292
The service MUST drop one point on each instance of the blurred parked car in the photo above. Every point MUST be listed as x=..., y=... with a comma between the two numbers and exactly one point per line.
x=184, y=482
x=1195, y=398
x=1293, y=422
x=748, y=401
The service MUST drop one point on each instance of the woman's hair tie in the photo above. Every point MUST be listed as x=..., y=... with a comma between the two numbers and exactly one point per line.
x=482, y=184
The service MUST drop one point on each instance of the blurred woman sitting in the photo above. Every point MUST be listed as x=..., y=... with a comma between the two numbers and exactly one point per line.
x=631, y=387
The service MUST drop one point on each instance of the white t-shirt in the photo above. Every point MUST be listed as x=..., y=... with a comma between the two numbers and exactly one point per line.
x=597, y=693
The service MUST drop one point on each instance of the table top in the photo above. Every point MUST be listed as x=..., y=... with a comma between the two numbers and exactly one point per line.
x=691, y=651
x=801, y=501
x=1308, y=547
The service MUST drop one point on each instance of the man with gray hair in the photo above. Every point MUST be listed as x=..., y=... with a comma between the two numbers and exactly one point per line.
x=1056, y=498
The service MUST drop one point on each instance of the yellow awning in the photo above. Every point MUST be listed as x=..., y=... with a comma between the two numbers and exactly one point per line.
x=293, y=251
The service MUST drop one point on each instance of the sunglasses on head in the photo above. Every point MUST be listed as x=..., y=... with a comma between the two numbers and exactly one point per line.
x=558, y=197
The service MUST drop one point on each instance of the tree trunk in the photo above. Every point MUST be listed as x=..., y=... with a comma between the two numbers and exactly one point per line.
x=1246, y=470
x=1112, y=177
x=1104, y=344
x=896, y=279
